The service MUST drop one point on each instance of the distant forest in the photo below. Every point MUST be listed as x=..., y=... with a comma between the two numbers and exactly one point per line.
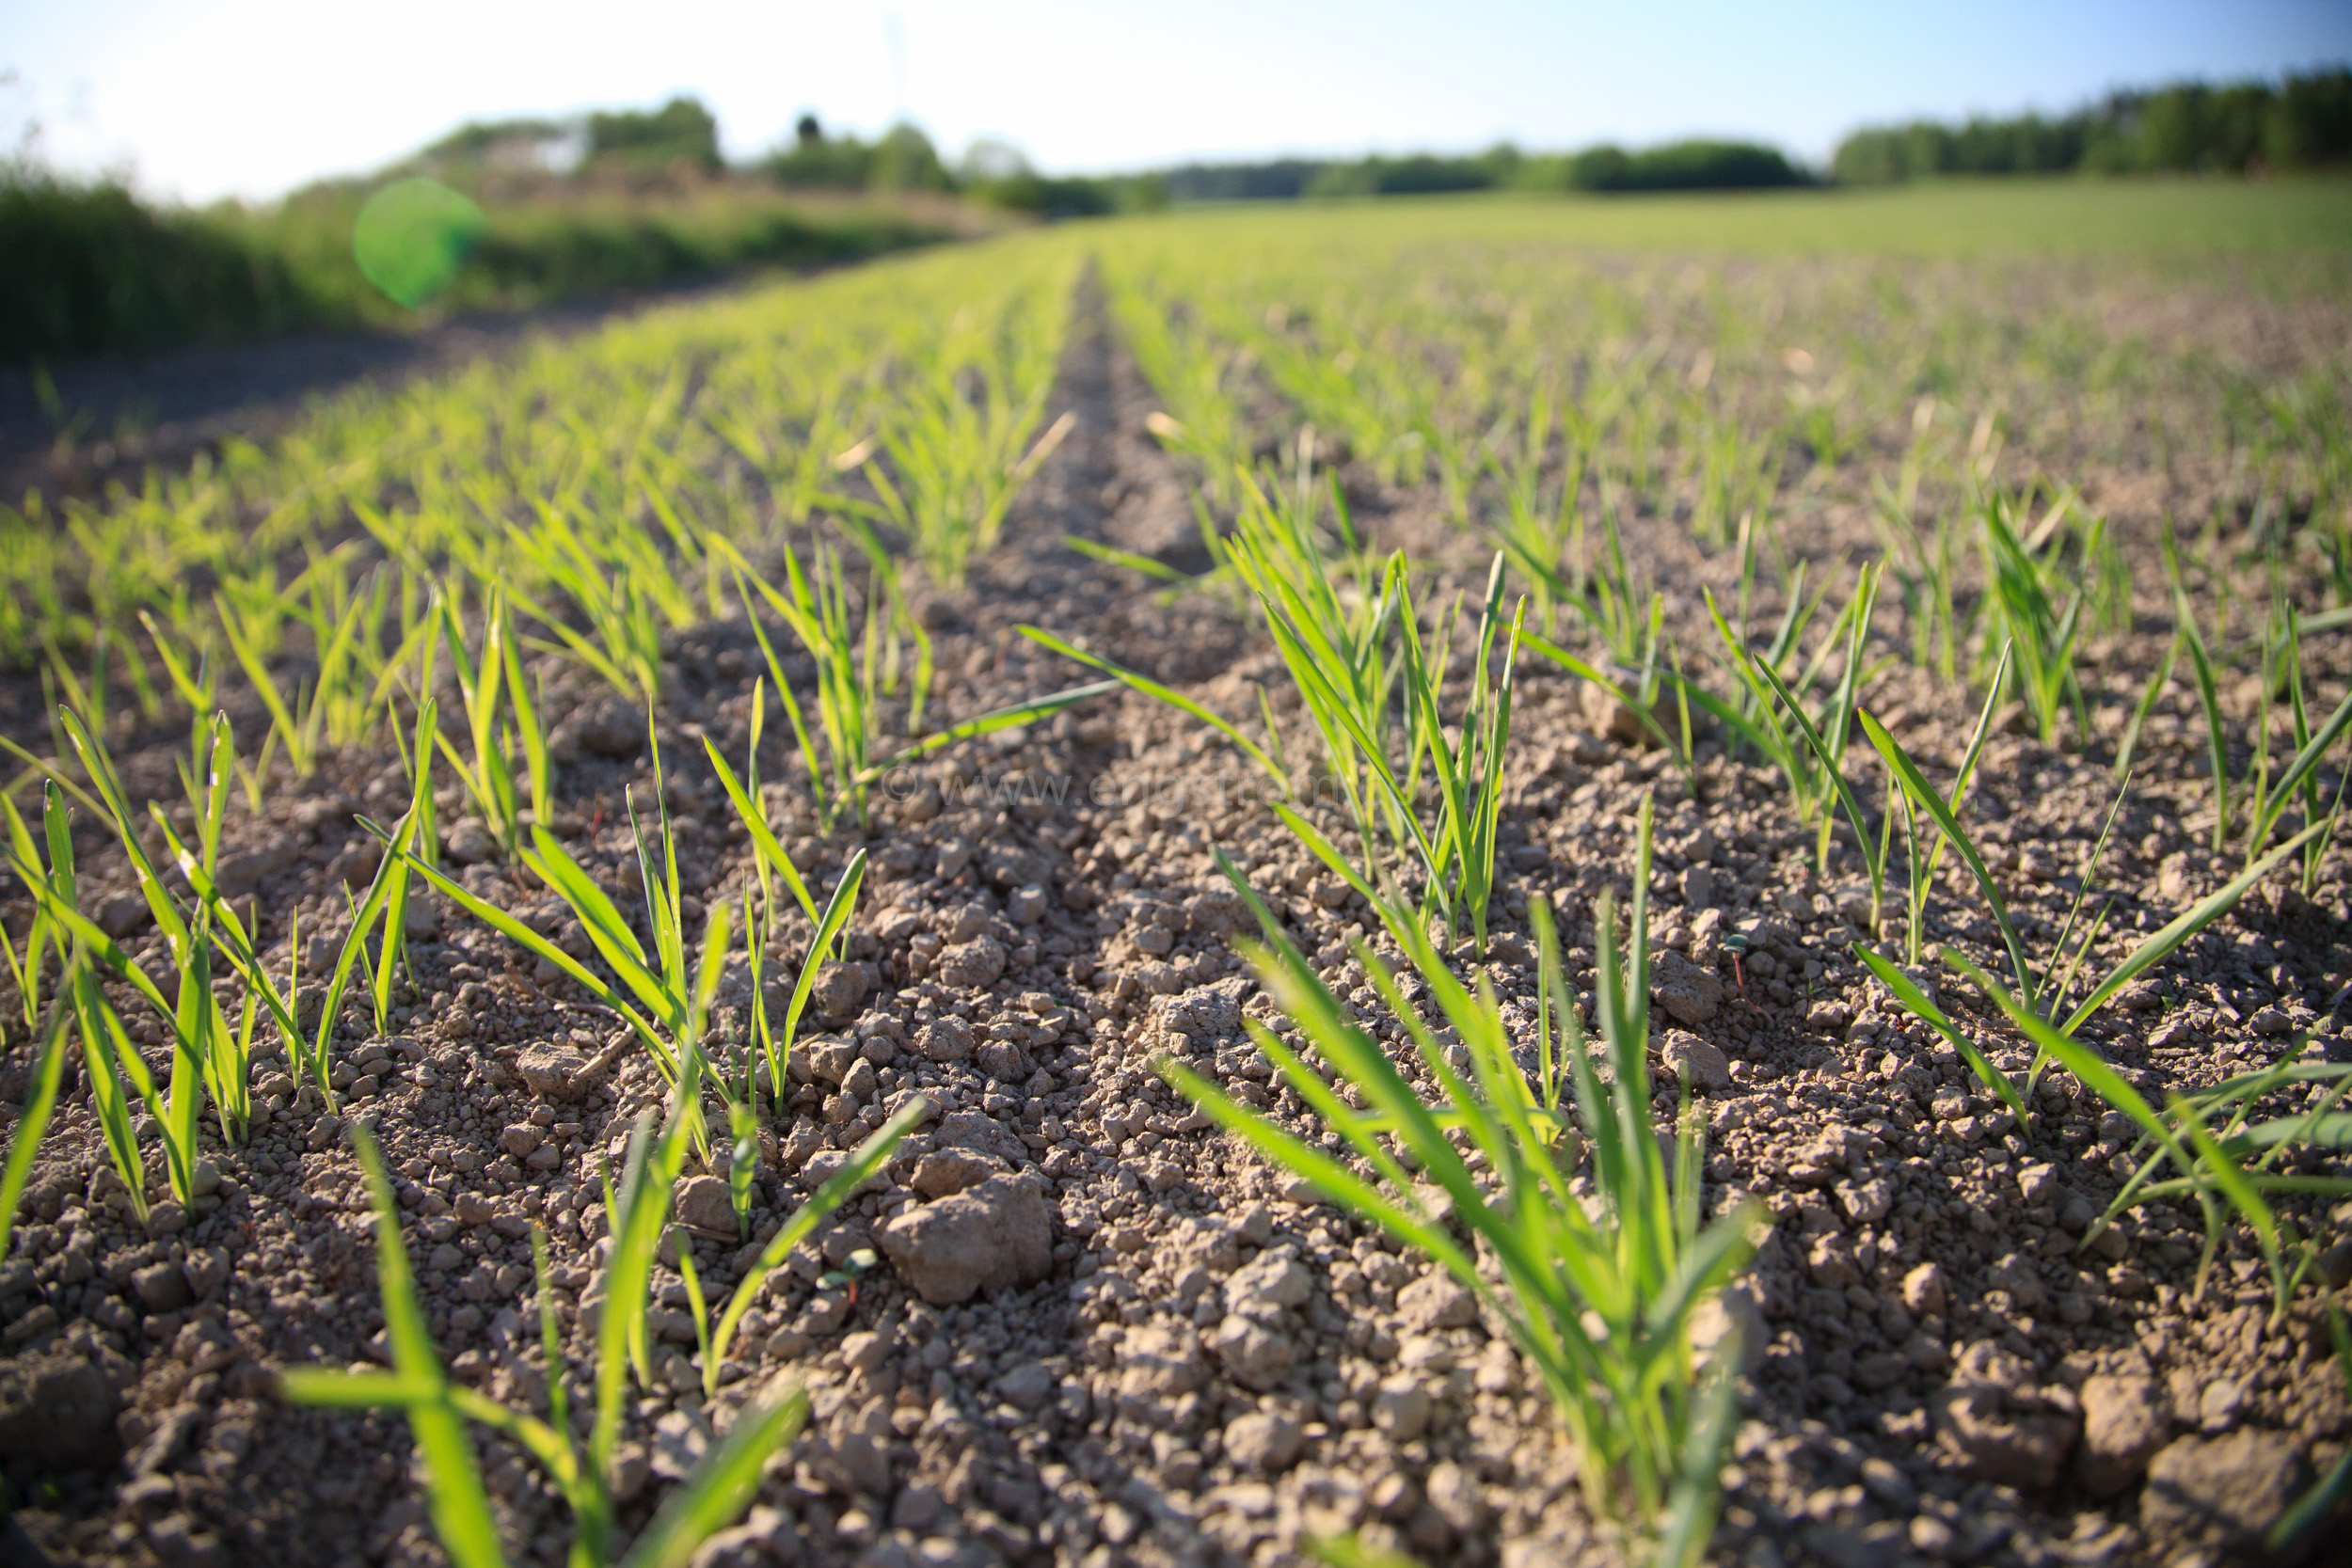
x=1686, y=165
x=2251, y=128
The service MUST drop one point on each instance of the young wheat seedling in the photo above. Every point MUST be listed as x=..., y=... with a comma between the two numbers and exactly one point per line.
x=1597, y=1293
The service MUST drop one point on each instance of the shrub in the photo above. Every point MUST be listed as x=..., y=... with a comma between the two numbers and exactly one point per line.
x=1684, y=165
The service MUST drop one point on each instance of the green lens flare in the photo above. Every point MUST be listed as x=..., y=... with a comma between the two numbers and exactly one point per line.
x=412, y=236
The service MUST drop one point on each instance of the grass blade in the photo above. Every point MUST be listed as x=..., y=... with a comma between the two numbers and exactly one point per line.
x=2203, y=913
x=39, y=1101
x=721, y=1485
x=1915, y=784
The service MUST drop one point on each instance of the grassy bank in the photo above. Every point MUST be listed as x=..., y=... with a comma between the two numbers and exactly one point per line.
x=95, y=271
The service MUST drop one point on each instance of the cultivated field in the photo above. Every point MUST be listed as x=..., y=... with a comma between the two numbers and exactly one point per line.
x=1493, y=880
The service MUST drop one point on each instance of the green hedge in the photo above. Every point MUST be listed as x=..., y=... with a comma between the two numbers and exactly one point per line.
x=94, y=270
x=91, y=270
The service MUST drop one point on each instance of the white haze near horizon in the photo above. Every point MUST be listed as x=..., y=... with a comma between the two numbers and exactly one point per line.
x=252, y=98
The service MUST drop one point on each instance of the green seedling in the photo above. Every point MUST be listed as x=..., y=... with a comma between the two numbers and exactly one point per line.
x=1925, y=567
x=59, y=678
x=2268, y=799
x=1353, y=652
x=40, y=1099
x=2046, y=989
x=1813, y=759
x=1201, y=422
x=833, y=925
x=107, y=1053
x=2299, y=784
x=40, y=934
x=854, y=672
x=196, y=1021
x=1609, y=596
x=743, y=1159
x=222, y=1055
x=768, y=857
x=299, y=719
x=1538, y=535
x=344, y=617
x=1923, y=859
x=2208, y=1162
x=960, y=447
x=1737, y=475
x=2187, y=635
x=1150, y=568
x=1014, y=717
x=111, y=1060
x=773, y=1045
x=669, y=1008
x=385, y=904
x=2222, y=1116
x=1624, y=687
x=198, y=684
x=439, y=1409
x=2149, y=696
x=487, y=686
x=621, y=583
x=867, y=1158
x=1467, y=776
x=1598, y=1293
x=2025, y=615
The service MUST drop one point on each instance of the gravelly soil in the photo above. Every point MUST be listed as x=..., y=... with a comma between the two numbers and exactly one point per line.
x=1213, y=1365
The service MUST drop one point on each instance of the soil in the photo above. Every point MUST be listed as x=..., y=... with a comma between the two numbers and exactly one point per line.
x=1213, y=1366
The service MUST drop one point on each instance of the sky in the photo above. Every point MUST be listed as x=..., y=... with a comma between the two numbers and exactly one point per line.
x=252, y=98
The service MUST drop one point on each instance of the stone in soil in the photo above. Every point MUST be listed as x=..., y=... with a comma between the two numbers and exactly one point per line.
x=1263, y=1441
x=1256, y=1354
x=2126, y=1420
x=1435, y=1302
x=972, y=965
x=2221, y=1493
x=944, y=1172
x=56, y=1412
x=1708, y=1067
x=992, y=1237
x=1989, y=1439
x=704, y=1205
x=981, y=1133
x=1689, y=994
x=552, y=1071
x=946, y=1040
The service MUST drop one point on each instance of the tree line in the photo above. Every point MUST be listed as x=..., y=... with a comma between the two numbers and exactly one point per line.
x=2250, y=128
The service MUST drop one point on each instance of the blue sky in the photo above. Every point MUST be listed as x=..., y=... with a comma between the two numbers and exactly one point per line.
x=253, y=97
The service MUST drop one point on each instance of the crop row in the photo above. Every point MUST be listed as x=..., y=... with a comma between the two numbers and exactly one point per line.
x=400, y=576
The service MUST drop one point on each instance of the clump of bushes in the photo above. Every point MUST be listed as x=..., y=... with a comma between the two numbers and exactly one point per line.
x=1683, y=166
x=993, y=172
x=900, y=159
